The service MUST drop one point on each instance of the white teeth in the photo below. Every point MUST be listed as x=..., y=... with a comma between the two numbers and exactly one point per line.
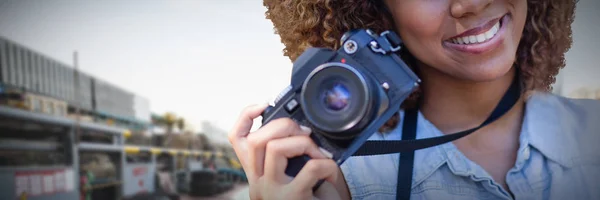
x=472, y=39
x=466, y=40
x=489, y=35
x=480, y=38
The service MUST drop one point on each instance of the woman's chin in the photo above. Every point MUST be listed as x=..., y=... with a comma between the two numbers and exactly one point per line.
x=483, y=74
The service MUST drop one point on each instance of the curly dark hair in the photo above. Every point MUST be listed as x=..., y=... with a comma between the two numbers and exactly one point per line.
x=321, y=23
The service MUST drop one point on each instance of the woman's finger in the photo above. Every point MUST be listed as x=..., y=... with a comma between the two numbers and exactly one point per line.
x=244, y=122
x=240, y=130
x=278, y=151
x=313, y=171
x=257, y=141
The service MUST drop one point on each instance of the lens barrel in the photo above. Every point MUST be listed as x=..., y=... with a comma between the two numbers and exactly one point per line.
x=337, y=100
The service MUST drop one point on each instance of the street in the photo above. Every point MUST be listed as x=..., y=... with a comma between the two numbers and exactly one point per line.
x=239, y=192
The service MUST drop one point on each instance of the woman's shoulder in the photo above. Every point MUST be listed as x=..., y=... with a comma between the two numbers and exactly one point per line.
x=567, y=111
x=564, y=129
x=561, y=101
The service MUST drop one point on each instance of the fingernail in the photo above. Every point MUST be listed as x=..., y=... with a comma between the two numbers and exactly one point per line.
x=326, y=153
x=305, y=129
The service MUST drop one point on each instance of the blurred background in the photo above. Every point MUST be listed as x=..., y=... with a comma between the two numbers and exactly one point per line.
x=153, y=86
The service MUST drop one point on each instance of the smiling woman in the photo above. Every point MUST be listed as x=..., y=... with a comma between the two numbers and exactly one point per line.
x=467, y=52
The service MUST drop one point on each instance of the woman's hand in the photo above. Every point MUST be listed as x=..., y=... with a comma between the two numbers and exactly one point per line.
x=264, y=154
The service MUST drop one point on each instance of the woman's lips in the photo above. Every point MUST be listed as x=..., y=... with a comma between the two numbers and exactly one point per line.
x=479, y=30
x=482, y=40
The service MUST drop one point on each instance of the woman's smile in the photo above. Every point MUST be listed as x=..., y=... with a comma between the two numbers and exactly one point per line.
x=481, y=39
x=468, y=40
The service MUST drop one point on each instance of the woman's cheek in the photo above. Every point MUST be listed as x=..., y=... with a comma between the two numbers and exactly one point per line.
x=420, y=23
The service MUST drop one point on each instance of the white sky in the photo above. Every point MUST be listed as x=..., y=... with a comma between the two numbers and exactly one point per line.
x=204, y=60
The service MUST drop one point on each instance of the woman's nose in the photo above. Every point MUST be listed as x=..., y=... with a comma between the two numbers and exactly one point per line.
x=464, y=8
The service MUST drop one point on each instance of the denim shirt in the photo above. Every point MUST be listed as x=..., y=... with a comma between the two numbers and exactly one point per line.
x=558, y=158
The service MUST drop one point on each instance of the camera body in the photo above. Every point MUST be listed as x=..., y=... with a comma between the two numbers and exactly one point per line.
x=344, y=96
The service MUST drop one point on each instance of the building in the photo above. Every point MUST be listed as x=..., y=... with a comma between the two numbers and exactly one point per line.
x=36, y=82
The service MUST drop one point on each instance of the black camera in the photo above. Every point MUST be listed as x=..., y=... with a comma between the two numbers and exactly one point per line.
x=344, y=96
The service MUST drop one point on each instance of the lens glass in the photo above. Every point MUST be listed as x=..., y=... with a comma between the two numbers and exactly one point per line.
x=336, y=97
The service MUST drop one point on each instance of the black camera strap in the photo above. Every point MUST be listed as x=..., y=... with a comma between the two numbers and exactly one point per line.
x=408, y=145
x=406, y=160
x=378, y=147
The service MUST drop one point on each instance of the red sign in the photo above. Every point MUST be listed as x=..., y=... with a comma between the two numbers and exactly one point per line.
x=138, y=171
x=43, y=182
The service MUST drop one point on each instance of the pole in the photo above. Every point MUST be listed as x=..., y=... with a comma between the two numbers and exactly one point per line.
x=77, y=98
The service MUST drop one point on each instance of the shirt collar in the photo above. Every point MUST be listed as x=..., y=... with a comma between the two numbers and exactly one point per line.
x=550, y=124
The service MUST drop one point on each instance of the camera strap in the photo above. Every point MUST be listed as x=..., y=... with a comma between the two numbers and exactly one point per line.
x=378, y=147
x=406, y=160
x=408, y=145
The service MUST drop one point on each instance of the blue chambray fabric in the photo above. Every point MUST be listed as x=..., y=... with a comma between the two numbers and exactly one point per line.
x=558, y=158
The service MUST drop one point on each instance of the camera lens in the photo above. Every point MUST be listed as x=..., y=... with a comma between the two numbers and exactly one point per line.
x=336, y=98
